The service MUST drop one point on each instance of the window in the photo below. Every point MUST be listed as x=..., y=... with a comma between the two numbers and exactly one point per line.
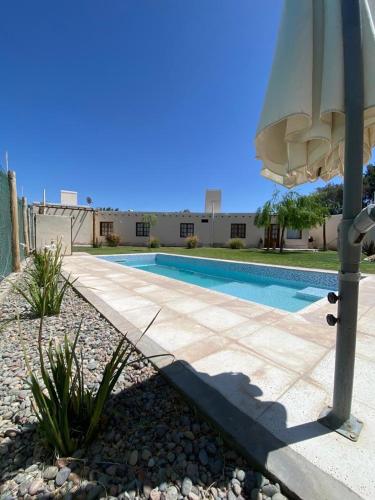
x=293, y=234
x=106, y=228
x=238, y=230
x=204, y=220
x=142, y=229
x=186, y=229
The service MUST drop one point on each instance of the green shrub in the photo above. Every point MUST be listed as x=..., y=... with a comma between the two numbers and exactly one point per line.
x=154, y=243
x=43, y=287
x=368, y=248
x=69, y=414
x=236, y=244
x=97, y=243
x=46, y=263
x=192, y=242
x=113, y=240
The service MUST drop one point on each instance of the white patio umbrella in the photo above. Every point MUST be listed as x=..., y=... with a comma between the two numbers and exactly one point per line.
x=318, y=121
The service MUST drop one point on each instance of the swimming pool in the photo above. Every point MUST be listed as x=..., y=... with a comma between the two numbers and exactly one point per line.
x=280, y=287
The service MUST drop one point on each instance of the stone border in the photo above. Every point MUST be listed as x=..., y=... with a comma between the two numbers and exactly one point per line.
x=299, y=477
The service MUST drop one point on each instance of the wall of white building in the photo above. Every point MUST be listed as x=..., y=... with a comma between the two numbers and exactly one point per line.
x=167, y=229
x=331, y=233
x=216, y=231
x=81, y=217
x=332, y=225
x=53, y=229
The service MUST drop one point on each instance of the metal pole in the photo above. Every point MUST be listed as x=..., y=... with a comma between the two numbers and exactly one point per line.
x=339, y=417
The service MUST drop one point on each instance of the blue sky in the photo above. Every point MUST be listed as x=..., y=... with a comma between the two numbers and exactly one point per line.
x=141, y=104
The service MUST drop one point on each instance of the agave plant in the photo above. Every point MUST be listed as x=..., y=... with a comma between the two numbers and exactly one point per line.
x=44, y=288
x=68, y=412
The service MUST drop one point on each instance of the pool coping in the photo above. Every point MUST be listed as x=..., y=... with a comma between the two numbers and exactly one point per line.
x=299, y=477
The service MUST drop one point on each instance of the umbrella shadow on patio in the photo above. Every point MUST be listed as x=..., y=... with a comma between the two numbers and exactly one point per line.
x=236, y=405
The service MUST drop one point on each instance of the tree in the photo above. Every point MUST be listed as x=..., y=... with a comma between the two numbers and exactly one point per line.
x=89, y=200
x=151, y=220
x=320, y=208
x=330, y=199
x=263, y=218
x=107, y=209
x=331, y=195
x=297, y=212
x=369, y=184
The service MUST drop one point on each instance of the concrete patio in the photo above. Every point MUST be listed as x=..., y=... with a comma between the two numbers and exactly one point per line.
x=262, y=374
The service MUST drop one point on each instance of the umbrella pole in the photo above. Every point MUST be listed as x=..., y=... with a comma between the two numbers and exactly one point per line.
x=339, y=416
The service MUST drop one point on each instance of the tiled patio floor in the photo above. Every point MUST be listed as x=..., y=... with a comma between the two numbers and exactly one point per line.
x=276, y=367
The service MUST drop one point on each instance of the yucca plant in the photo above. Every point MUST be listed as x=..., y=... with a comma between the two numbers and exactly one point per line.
x=69, y=413
x=44, y=288
x=46, y=263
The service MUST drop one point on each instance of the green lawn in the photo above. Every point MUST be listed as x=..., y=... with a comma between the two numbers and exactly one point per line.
x=320, y=260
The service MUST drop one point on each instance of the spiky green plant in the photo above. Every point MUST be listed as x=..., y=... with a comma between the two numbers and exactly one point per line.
x=43, y=287
x=68, y=412
x=45, y=262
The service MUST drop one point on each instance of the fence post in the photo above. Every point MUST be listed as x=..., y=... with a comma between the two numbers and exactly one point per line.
x=25, y=225
x=16, y=258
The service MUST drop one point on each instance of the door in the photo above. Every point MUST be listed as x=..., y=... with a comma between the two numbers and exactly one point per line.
x=272, y=236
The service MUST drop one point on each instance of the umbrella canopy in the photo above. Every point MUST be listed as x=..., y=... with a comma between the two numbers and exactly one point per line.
x=300, y=136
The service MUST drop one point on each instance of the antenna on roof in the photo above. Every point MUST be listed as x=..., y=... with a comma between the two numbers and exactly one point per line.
x=44, y=202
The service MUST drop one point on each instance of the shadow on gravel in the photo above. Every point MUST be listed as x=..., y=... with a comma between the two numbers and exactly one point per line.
x=150, y=437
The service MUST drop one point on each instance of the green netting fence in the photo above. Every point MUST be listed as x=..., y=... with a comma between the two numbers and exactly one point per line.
x=6, y=258
x=5, y=227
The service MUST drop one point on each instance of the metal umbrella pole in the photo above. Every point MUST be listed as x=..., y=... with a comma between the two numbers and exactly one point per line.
x=339, y=416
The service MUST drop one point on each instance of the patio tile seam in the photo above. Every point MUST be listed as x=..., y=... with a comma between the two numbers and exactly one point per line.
x=287, y=389
x=224, y=332
x=269, y=359
x=314, y=341
x=309, y=372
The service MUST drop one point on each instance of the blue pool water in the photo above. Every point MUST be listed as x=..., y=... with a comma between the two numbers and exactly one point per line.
x=287, y=289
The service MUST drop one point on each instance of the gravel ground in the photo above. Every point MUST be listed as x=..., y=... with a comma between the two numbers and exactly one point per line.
x=152, y=444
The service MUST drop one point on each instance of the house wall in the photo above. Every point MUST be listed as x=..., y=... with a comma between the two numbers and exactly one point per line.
x=331, y=233
x=167, y=229
x=82, y=221
x=371, y=235
x=53, y=229
x=298, y=243
x=332, y=225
